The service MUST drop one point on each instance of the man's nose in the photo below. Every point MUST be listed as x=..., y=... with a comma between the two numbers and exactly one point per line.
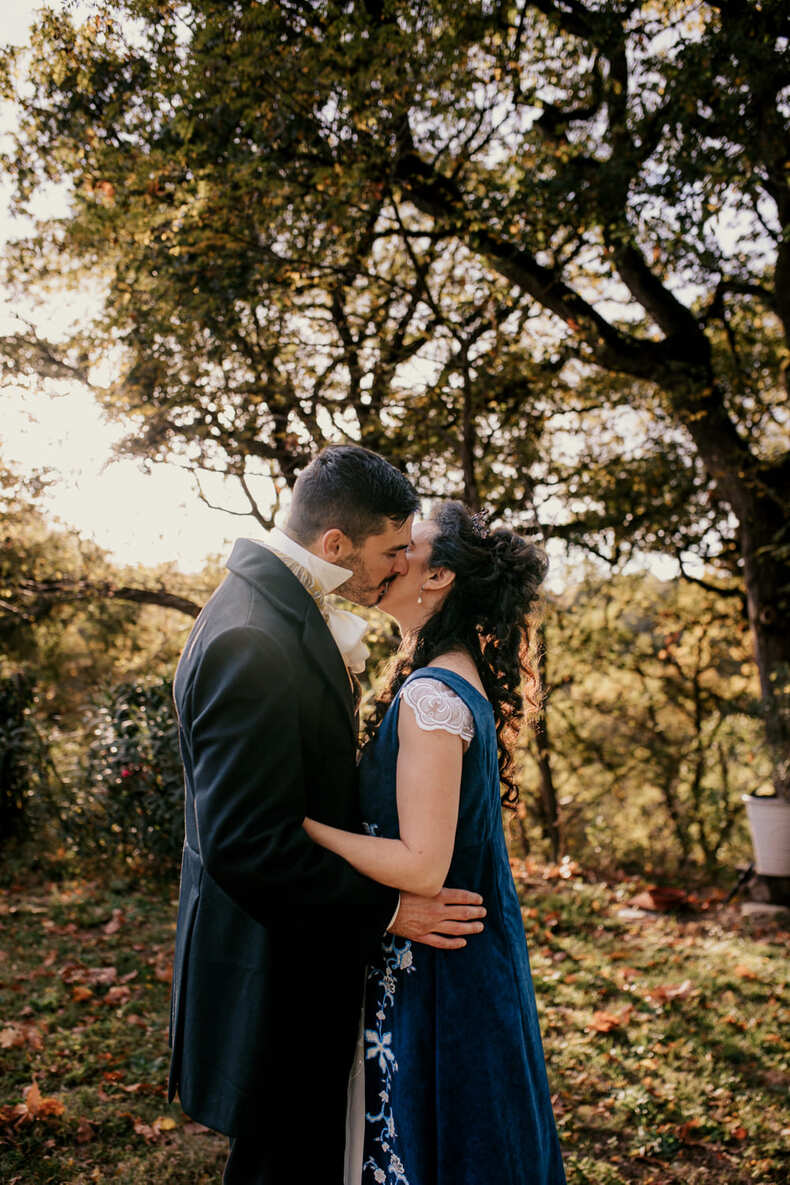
x=401, y=563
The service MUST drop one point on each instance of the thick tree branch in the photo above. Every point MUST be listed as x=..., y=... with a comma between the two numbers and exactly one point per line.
x=709, y=586
x=670, y=314
x=39, y=596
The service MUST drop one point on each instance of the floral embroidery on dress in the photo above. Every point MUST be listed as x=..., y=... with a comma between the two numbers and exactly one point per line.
x=385, y=1167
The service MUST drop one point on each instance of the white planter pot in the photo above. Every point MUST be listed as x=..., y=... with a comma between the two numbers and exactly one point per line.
x=769, y=823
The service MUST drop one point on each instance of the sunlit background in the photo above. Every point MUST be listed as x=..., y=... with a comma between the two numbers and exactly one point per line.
x=145, y=516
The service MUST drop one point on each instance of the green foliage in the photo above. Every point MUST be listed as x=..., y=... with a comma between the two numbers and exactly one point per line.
x=59, y=618
x=87, y=649
x=654, y=717
x=132, y=809
x=24, y=761
x=454, y=234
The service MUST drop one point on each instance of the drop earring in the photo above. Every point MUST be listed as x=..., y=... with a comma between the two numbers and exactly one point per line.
x=419, y=598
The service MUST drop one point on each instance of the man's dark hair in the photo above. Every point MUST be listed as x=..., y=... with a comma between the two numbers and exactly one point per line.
x=351, y=488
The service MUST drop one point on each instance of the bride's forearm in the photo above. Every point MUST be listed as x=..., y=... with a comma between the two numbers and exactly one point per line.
x=388, y=861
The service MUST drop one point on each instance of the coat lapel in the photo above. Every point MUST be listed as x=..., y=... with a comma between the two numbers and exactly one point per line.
x=273, y=580
x=320, y=647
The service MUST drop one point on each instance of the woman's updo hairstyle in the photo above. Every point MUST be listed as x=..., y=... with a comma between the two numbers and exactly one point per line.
x=489, y=612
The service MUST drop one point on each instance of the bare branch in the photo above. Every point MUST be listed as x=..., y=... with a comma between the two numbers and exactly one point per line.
x=44, y=594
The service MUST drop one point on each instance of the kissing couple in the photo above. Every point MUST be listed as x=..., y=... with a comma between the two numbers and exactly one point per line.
x=352, y=1001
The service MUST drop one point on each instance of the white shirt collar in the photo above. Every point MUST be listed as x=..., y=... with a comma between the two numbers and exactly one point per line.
x=327, y=576
x=346, y=628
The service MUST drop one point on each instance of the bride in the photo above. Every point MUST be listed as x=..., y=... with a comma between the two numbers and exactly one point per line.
x=454, y=1088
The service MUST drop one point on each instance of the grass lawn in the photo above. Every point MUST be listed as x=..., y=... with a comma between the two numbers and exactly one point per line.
x=667, y=1038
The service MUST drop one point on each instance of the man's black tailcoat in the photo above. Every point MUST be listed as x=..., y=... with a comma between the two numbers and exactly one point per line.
x=273, y=930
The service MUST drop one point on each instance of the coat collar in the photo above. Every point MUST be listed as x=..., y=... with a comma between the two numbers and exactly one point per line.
x=269, y=576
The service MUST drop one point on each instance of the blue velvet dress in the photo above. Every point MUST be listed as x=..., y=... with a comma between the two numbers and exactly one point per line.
x=455, y=1078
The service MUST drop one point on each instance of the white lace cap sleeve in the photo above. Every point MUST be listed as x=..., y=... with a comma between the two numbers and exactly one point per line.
x=436, y=706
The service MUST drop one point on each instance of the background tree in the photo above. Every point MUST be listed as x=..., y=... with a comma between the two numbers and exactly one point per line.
x=434, y=229
x=654, y=718
x=73, y=627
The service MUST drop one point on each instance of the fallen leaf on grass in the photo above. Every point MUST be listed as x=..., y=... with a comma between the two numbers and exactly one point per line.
x=629, y=973
x=16, y=1035
x=80, y=992
x=604, y=1022
x=79, y=973
x=142, y=1088
x=196, y=1129
x=163, y=971
x=116, y=921
x=667, y=991
x=53, y=927
x=683, y=1130
x=146, y=1131
x=744, y=972
x=72, y=972
x=101, y=975
x=34, y=1107
x=118, y=995
x=41, y=1108
x=661, y=899
x=84, y=1132
x=152, y=1131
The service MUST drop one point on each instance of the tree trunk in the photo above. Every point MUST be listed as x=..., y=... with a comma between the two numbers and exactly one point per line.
x=549, y=806
x=548, y=794
x=467, y=446
x=758, y=497
x=767, y=579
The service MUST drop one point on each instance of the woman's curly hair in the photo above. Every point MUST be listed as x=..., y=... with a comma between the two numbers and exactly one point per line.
x=489, y=612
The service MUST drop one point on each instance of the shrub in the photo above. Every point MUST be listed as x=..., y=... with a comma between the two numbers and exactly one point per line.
x=24, y=760
x=134, y=803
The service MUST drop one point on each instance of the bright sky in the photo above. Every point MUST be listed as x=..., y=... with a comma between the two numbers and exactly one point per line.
x=140, y=517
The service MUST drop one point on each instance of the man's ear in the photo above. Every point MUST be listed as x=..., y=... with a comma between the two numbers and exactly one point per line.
x=439, y=579
x=333, y=546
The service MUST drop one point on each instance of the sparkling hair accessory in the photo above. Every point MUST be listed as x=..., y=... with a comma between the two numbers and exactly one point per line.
x=481, y=524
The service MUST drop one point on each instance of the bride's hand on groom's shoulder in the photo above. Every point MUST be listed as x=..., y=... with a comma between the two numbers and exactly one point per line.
x=444, y=921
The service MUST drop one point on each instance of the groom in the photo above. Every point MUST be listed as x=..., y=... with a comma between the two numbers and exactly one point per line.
x=273, y=931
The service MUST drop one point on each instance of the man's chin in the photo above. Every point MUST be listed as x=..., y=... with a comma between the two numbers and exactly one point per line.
x=381, y=599
x=366, y=598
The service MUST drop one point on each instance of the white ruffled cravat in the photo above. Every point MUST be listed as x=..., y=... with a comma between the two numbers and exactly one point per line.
x=321, y=578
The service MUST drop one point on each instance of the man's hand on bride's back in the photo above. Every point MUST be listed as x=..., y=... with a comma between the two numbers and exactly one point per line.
x=446, y=920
